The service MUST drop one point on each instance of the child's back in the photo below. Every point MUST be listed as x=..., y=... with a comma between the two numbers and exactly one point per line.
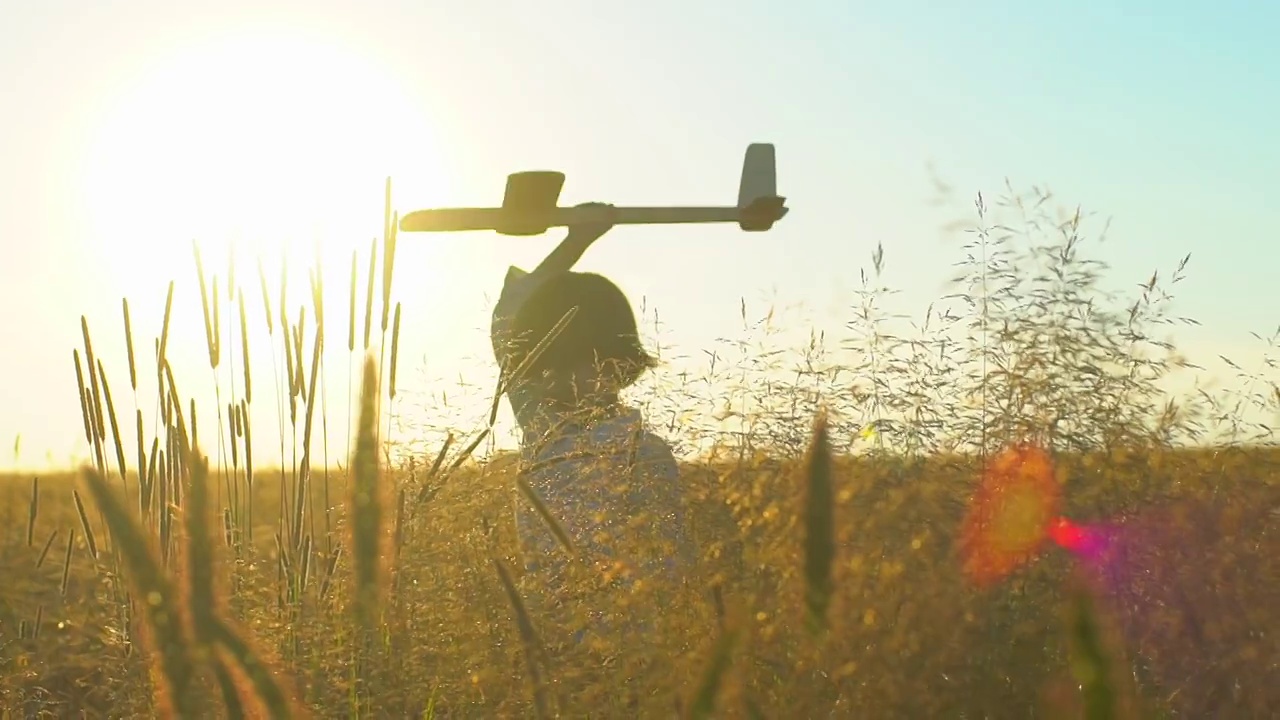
x=605, y=482
x=612, y=485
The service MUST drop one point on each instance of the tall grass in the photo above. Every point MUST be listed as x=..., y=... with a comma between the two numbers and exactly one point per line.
x=833, y=477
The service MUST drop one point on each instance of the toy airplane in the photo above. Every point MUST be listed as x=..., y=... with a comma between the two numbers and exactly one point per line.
x=530, y=205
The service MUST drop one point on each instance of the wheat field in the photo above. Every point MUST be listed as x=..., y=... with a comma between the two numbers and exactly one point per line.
x=168, y=580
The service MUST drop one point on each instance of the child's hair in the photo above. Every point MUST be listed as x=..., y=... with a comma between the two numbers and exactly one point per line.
x=602, y=333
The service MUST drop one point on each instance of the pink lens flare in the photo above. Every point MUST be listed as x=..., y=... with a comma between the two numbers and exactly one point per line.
x=1087, y=542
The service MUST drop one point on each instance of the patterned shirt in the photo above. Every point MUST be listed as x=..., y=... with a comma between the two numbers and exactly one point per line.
x=613, y=488
x=604, y=483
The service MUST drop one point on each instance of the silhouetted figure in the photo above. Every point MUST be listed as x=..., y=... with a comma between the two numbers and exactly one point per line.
x=610, y=483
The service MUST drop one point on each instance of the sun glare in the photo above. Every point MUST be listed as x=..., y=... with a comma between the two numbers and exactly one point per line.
x=265, y=144
x=261, y=149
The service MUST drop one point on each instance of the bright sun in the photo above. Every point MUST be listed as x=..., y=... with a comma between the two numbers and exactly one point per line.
x=269, y=144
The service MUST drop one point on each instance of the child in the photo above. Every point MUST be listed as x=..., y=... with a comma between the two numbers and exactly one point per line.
x=610, y=484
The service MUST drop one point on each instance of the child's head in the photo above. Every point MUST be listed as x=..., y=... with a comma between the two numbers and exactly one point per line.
x=599, y=342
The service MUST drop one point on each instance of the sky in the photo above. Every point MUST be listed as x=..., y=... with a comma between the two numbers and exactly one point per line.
x=132, y=128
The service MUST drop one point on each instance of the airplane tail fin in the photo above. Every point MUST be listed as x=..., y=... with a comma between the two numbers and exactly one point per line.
x=758, y=200
x=759, y=174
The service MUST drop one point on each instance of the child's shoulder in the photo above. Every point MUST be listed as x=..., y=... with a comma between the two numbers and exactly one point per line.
x=628, y=433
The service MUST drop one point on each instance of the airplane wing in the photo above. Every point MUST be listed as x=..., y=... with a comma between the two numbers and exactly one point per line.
x=760, y=214
x=507, y=222
x=452, y=220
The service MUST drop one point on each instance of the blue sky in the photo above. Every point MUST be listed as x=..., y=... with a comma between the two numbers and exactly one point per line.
x=1159, y=116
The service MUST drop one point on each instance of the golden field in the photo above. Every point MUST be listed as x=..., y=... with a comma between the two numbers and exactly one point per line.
x=909, y=638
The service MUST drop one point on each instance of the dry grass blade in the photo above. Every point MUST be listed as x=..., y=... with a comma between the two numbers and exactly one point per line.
x=195, y=435
x=44, y=551
x=299, y=331
x=351, y=324
x=163, y=504
x=317, y=294
x=86, y=406
x=266, y=688
x=1090, y=663
x=398, y=536
x=368, y=301
x=428, y=489
x=291, y=371
x=100, y=430
x=85, y=527
x=199, y=547
x=202, y=599
x=520, y=370
x=244, y=350
x=66, y=562
x=32, y=511
x=703, y=705
x=147, y=492
x=115, y=426
x=366, y=505
x=163, y=400
x=508, y=377
x=302, y=490
x=304, y=573
x=164, y=328
x=317, y=346
x=172, y=395
x=227, y=686
x=390, y=228
x=217, y=325
x=228, y=528
x=248, y=462
x=282, y=554
x=561, y=535
x=233, y=435
x=529, y=640
x=164, y=618
x=395, y=354
x=210, y=336
x=819, y=525
x=466, y=452
x=266, y=298
x=444, y=449
x=496, y=403
x=327, y=581
x=144, y=469
x=284, y=295
x=128, y=342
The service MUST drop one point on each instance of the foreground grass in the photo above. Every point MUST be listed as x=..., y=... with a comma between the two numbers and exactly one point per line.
x=829, y=582
x=909, y=637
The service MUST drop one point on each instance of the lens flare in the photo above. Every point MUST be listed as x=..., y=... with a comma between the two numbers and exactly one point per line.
x=1014, y=510
x=1172, y=576
x=1087, y=542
